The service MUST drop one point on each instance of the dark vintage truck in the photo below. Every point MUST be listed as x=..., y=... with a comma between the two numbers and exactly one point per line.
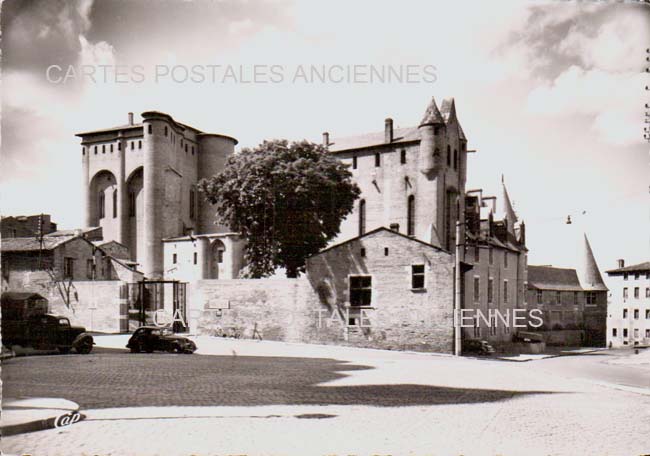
x=25, y=322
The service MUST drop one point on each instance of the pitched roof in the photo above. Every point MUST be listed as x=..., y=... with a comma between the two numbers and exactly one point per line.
x=432, y=114
x=109, y=129
x=588, y=271
x=448, y=109
x=400, y=135
x=641, y=267
x=550, y=278
x=31, y=244
x=510, y=215
x=376, y=230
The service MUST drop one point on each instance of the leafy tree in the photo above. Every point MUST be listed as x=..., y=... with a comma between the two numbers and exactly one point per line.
x=287, y=200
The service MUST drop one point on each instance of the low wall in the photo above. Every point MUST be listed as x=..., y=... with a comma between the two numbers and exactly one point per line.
x=566, y=337
x=290, y=310
x=96, y=305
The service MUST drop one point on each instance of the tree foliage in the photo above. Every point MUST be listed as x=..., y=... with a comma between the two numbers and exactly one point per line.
x=287, y=200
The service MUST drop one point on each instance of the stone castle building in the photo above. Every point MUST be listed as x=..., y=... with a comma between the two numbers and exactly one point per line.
x=628, y=313
x=139, y=185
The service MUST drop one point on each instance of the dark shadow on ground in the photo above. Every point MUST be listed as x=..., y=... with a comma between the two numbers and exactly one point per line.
x=102, y=380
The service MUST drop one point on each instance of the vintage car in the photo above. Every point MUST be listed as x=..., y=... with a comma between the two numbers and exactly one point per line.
x=477, y=347
x=25, y=322
x=150, y=338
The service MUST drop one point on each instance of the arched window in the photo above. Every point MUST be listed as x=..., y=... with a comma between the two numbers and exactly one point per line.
x=455, y=159
x=410, y=216
x=114, y=203
x=362, y=217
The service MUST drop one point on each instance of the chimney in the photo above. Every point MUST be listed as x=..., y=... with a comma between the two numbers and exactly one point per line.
x=326, y=139
x=130, y=118
x=621, y=263
x=388, y=130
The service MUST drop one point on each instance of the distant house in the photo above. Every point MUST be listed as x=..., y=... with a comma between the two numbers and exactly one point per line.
x=571, y=299
x=628, y=316
x=26, y=225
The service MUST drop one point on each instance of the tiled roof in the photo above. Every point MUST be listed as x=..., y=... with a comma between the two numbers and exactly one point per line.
x=107, y=130
x=32, y=243
x=400, y=135
x=550, y=278
x=641, y=267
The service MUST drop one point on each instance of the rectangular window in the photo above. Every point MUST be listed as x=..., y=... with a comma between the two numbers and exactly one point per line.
x=417, y=276
x=132, y=145
x=647, y=314
x=196, y=258
x=624, y=332
x=625, y=276
x=636, y=292
x=647, y=333
x=558, y=297
x=575, y=298
x=505, y=291
x=636, y=276
x=103, y=148
x=102, y=205
x=402, y=156
x=362, y=252
x=624, y=313
x=614, y=332
x=68, y=268
x=354, y=162
x=636, y=314
x=219, y=256
x=111, y=148
x=131, y=204
x=95, y=149
x=90, y=269
x=377, y=160
x=647, y=292
x=192, y=204
x=139, y=144
x=119, y=146
x=539, y=296
x=636, y=333
x=477, y=289
x=114, y=203
x=625, y=293
x=490, y=289
x=360, y=290
x=505, y=260
x=174, y=258
x=590, y=298
x=491, y=256
x=149, y=129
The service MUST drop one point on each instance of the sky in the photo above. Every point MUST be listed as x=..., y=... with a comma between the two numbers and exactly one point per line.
x=549, y=94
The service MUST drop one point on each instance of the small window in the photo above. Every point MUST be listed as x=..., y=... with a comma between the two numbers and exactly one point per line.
x=385, y=251
x=111, y=148
x=647, y=314
x=417, y=276
x=636, y=276
x=360, y=290
x=625, y=276
x=132, y=145
x=192, y=150
x=636, y=292
x=490, y=290
x=68, y=268
x=558, y=297
x=647, y=292
x=219, y=256
x=362, y=217
x=647, y=333
x=402, y=156
x=186, y=148
x=362, y=252
x=505, y=291
x=102, y=205
x=196, y=258
x=505, y=260
x=174, y=258
x=624, y=313
x=410, y=216
x=114, y=203
x=83, y=151
x=590, y=298
x=377, y=160
x=95, y=149
x=625, y=293
x=103, y=148
x=448, y=155
x=165, y=130
x=477, y=289
x=491, y=255
x=90, y=269
x=636, y=314
x=192, y=204
x=624, y=332
x=455, y=159
x=614, y=332
x=575, y=298
x=139, y=144
x=149, y=129
x=119, y=146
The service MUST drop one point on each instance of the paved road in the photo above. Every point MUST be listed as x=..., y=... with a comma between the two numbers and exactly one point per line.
x=119, y=379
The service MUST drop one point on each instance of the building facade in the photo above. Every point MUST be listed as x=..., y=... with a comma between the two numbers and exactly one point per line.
x=26, y=226
x=628, y=312
x=139, y=184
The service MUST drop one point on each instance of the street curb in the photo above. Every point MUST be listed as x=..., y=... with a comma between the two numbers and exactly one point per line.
x=40, y=424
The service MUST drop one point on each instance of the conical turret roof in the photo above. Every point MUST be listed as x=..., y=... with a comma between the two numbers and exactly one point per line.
x=448, y=109
x=509, y=212
x=432, y=114
x=588, y=272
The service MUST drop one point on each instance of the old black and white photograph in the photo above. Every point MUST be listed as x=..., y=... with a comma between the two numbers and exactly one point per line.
x=342, y=228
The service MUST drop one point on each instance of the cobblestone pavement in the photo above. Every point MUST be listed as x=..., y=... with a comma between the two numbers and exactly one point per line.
x=161, y=404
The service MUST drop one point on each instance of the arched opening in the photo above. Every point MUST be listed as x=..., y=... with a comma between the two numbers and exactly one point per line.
x=362, y=217
x=217, y=259
x=135, y=214
x=410, y=216
x=103, y=186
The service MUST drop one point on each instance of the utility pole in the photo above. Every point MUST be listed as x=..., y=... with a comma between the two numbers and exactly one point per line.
x=457, y=295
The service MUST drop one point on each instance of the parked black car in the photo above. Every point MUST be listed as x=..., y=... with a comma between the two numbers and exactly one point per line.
x=478, y=347
x=150, y=338
x=25, y=322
